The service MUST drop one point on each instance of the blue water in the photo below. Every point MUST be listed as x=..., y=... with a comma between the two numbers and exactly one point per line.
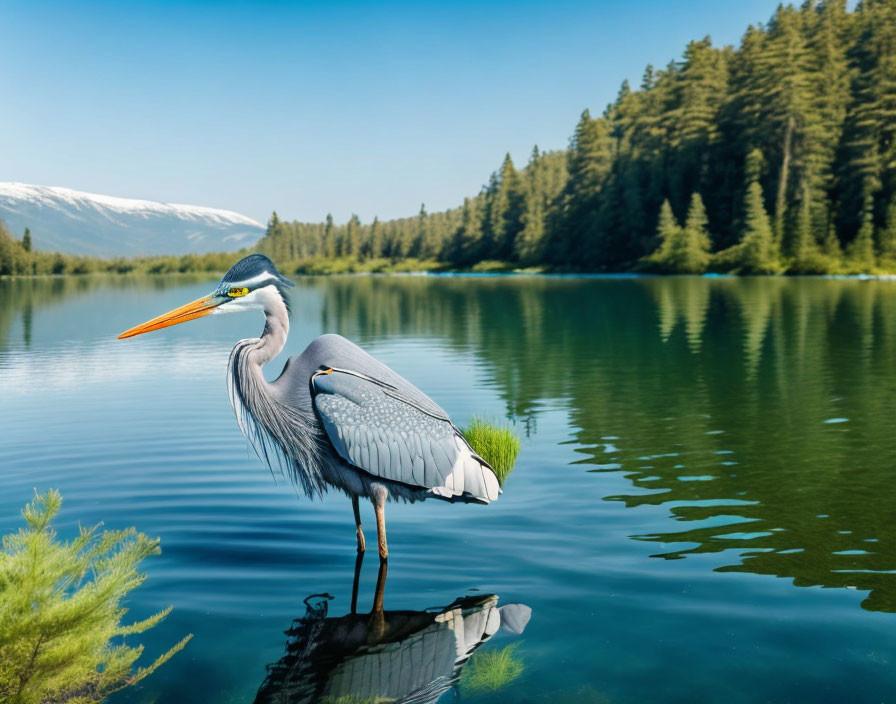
x=702, y=510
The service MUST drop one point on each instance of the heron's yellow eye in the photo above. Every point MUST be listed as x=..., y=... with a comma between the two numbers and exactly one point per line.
x=237, y=291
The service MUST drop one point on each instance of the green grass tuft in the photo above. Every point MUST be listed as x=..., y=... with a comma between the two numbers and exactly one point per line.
x=497, y=445
x=490, y=670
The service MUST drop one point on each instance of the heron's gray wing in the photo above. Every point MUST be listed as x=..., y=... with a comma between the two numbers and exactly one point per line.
x=376, y=427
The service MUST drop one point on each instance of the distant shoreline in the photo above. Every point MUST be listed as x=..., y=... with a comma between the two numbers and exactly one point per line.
x=463, y=274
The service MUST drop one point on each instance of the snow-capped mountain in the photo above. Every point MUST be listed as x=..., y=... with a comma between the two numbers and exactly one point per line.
x=63, y=220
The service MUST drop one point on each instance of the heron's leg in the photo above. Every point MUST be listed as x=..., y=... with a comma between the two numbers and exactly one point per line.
x=362, y=546
x=359, y=560
x=379, y=507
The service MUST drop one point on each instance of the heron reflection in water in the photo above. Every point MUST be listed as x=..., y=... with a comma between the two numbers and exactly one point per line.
x=335, y=417
x=383, y=656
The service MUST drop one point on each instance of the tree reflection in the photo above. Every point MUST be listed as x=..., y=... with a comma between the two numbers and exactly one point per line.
x=772, y=444
x=722, y=397
x=21, y=297
x=760, y=411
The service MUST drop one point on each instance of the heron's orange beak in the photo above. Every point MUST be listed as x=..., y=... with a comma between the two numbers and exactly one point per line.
x=191, y=311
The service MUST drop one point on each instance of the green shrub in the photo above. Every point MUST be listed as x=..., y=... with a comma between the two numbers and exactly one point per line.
x=490, y=670
x=497, y=445
x=326, y=265
x=410, y=266
x=489, y=266
x=61, y=637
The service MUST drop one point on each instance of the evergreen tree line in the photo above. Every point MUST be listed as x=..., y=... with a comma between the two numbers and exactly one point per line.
x=506, y=222
x=779, y=155
x=19, y=258
x=776, y=156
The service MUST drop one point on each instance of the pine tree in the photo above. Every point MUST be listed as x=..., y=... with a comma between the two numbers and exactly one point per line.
x=544, y=179
x=352, y=246
x=329, y=237
x=828, y=41
x=886, y=240
x=421, y=235
x=589, y=163
x=698, y=91
x=861, y=249
x=530, y=240
x=682, y=250
x=695, y=254
x=867, y=163
x=775, y=100
x=11, y=253
x=504, y=210
x=670, y=234
x=273, y=237
x=804, y=250
x=376, y=247
x=590, y=159
x=831, y=246
x=466, y=245
x=759, y=252
x=648, y=80
x=26, y=240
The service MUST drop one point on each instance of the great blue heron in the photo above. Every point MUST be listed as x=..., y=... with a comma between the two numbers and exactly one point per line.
x=335, y=417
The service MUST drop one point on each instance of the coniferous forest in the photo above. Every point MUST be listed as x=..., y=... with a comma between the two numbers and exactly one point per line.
x=778, y=156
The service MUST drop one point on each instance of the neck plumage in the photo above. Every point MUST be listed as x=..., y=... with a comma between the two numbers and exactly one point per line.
x=284, y=437
x=276, y=328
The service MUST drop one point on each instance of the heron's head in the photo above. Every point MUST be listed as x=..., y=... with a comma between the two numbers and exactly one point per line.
x=253, y=283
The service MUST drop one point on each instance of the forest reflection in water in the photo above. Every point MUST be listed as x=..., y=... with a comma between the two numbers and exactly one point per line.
x=759, y=411
x=23, y=296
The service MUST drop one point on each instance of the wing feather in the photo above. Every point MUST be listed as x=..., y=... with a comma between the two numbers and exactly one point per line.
x=403, y=440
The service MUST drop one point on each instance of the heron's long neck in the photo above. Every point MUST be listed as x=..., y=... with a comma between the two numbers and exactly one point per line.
x=284, y=434
x=276, y=328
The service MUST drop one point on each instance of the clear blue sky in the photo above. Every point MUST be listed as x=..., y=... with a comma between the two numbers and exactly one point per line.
x=309, y=108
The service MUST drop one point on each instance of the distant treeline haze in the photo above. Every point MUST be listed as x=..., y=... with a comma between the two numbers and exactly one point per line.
x=19, y=257
x=777, y=156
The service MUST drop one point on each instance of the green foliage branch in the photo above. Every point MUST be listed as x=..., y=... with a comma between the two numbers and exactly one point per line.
x=61, y=636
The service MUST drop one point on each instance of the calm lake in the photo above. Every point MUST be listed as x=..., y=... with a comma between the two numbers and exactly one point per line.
x=704, y=507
